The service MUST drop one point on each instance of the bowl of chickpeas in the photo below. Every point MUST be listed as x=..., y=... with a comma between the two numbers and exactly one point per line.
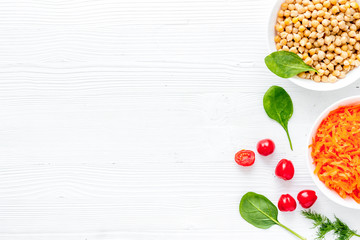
x=325, y=34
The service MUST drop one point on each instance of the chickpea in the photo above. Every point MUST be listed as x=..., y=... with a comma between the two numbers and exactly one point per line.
x=338, y=59
x=317, y=78
x=328, y=40
x=277, y=39
x=289, y=37
x=324, y=79
x=315, y=23
x=341, y=24
x=331, y=47
x=344, y=40
x=342, y=8
x=344, y=55
x=284, y=6
x=354, y=5
x=321, y=13
x=342, y=75
x=297, y=38
x=308, y=61
x=308, y=45
x=357, y=46
x=287, y=13
x=334, y=22
x=294, y=13
x=353, y=27
x=313, y=35
x=287, y=21
x=303, y=41
x=334, y=9
x=327, y=15
x=352, y=41
x=338, y=50
x=321, y=55
x=330, y=56
x=337, y=41
x=325, y=22
x=294, y=50
x=311, y=7
x=338, y=67
x=320, y=28
x=285, y=48
x=332, y=78
x=336, y=73
x=336, y=29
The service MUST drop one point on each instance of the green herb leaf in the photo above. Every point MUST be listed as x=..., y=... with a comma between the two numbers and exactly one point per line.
x=321, y=222
x=279, y=107
x=259, y=211
x=342, y=230
x=286, y=64
x=325, y=225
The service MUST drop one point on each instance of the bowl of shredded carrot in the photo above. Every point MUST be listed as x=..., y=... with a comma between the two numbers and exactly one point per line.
x=334, y=152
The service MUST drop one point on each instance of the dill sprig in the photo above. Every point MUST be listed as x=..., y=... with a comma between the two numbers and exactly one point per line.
x=324, y=225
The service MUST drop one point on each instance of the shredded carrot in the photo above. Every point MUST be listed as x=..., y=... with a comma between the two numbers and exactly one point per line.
x=335, y=150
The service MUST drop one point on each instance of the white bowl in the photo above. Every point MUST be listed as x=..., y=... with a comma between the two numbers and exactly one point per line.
x=332, y=195
x=351, y=77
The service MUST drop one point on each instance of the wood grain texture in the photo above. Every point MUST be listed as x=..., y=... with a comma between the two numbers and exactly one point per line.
x=120, y=120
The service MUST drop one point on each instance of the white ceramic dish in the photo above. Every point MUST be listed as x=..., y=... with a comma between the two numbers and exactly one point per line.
x=332, y=195
x=351, y=77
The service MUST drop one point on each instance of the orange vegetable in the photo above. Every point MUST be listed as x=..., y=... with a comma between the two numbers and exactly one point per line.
x=335, y=150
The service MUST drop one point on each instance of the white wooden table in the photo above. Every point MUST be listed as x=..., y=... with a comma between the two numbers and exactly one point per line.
x=119, y=119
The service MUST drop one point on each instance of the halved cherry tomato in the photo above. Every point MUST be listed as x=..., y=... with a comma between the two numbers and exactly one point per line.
x=245, y=158
x=265, y=147
x=285, y=169
x=286, y=203
x=307, y=198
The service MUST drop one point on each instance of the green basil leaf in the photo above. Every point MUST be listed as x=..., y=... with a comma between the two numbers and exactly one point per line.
x=279, y=107
x=257, y=210
x=286, y=64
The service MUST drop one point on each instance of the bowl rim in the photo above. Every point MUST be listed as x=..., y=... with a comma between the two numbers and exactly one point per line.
x=330, y=194
x=350, y=78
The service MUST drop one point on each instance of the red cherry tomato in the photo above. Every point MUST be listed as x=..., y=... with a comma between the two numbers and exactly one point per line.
x=245, y=158
x=286, y=203
x=265, y=147
x=285, y=169
x=307, y=198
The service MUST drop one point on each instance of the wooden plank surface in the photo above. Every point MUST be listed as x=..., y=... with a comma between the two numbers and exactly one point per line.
x=119, y=119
